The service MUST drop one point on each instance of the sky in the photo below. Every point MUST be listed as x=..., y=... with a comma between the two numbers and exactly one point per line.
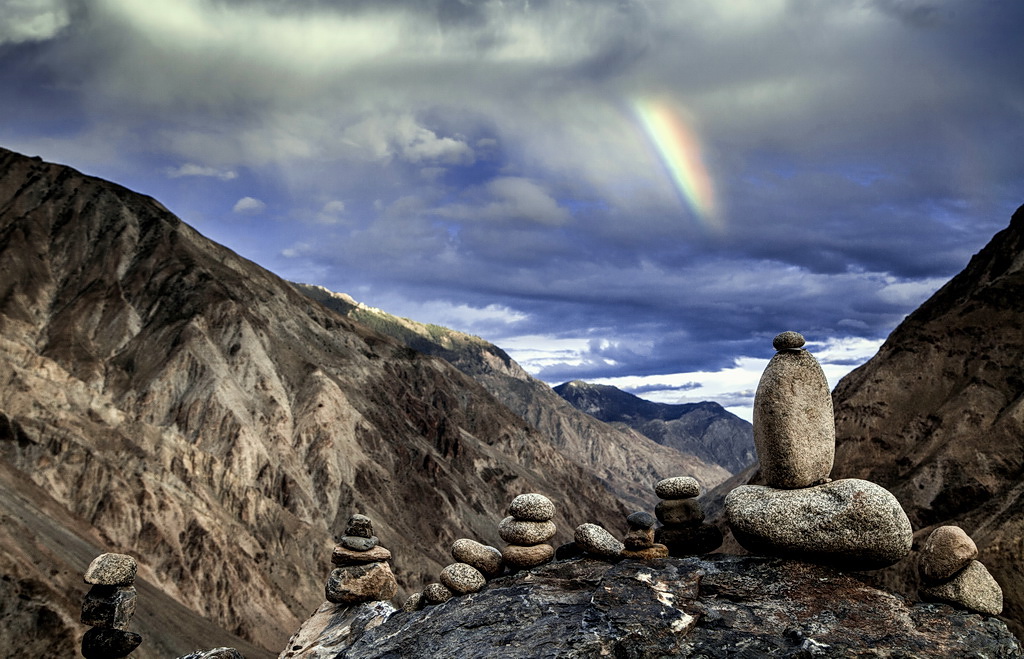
x=632, y=192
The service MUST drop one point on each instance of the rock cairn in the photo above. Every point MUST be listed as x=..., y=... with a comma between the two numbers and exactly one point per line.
x=361, y=572
x=951, y=573
x=108, y=607
x=527, y=530
x=683, y=530
x=639, y=540
x=800, y=512
x=475, y=563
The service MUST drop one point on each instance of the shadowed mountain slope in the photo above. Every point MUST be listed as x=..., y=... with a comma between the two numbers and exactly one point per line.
x=937, y=416
x=705, y=429
x=628, y=462
x=183, y=405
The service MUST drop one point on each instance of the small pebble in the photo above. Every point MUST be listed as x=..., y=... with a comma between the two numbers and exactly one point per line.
x=360, y=526
x=415, y=602
x=788, y=341
x=435, y=593
x=461, y=578
x=519, y=532
x=595, y=540
x=112, y=570
x=641, y=520
x=357, y=543
x=638, y=539
x=532, y=508
x=680, y=487
x=946, y=551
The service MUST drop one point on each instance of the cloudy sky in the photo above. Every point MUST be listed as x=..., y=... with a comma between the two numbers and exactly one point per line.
x=637, y=192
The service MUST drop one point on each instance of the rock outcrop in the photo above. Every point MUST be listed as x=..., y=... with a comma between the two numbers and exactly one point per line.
x=716, y=606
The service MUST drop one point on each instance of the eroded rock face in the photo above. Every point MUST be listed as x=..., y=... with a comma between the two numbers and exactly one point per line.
x=719, y=606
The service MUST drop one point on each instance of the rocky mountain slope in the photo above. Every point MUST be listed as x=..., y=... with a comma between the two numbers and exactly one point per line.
x=937, y=416
x=705, y=429
x=627, y=461
x=716, y=606
x=178, y=403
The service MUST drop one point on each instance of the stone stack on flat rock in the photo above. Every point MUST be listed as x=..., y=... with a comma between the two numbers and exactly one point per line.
x=683, y=529
x=639, y=541
x=527, y=530
x=952, y=574
x=800, y=513
x=361, y=572
x=109, y=606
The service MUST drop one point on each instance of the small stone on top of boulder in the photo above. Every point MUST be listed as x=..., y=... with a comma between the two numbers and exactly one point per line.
x=111, y=570
x=678, y=487
x=950, y=573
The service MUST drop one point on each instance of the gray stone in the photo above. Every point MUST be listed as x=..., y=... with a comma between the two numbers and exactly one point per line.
x=689, y=540
x=788, y=341
x=436, y=593
x=484, y=558
x=524, y=557
x=794, y=429
x=638, y=538
x=850, y=523
x=109, y=606
x=532, y=508
x=946, y=551
x=461, y=578
x=360, y=526
x=973, y=588
x=525, y=533
x=641, y=520
x=109, y=643
x=358, y=543
x=679, y=487
x=361, y=583
x=680, y=512
x=112, y=570
x=342, y=556
x=415, y=602
x=595, y=540
x=216, y=653
x=333, y=627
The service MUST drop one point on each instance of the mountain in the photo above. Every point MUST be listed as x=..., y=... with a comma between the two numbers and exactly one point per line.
x=705, y=429
x=712, y=607
x=628, y=462
x=166, y=398
x=937, y=416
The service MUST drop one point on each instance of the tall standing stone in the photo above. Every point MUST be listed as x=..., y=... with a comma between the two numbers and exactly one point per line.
x=794, y=428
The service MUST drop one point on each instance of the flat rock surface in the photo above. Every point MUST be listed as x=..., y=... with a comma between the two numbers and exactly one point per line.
x=719, y=606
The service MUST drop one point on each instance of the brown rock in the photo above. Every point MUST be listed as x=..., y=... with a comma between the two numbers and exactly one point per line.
x=415, y=602
x=436, y=593
x=638, y=538
x=972, y=588
x=484, y=558
x=523, y=557
x=361, y=583
x=679, y=512
x=342, y=556
x=646, y=554
x=359, y=526
x=947, y=550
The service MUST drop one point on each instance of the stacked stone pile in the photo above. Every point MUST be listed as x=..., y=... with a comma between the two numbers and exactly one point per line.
x=801, y=513
x=683, y=531
x=639, y=540
x=109, y=606
x=952, y=574
x=361, y=572
x=527, y=530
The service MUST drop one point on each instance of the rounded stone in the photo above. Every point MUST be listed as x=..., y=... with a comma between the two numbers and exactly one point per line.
x=973, y=588
x=596, y=540
x=946, y=551
x=484, y=558
x=850, y=523
x=523, y=557
x=415, y=602
x=518, y=532
x=111, y=570
x=461, y=578
x=638, y=539
x=532, y=508
x=646, y=554
x=640, y=520
x=679, y=487
x=794, y=428
x=109, y=643
x=358, y=543
x=679, y=512
x=788, y=341
x=435, y=593
x=689, y=540
x=342, y=556
x=354, y=584
x=360, y=526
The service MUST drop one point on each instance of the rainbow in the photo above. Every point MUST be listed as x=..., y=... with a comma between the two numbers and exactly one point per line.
x=680, y=152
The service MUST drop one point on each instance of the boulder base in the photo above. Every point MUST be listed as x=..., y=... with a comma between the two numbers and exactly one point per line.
x=851, y=524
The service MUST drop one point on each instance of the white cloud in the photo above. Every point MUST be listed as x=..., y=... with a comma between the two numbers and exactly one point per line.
x=192, y=169
x=382, y=137
x=249, y=206
x=32, y=20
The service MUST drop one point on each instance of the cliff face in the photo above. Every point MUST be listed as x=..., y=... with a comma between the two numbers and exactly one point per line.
x=627, y=461
x=178, y=403
x=937, y=416
x=717, y=606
